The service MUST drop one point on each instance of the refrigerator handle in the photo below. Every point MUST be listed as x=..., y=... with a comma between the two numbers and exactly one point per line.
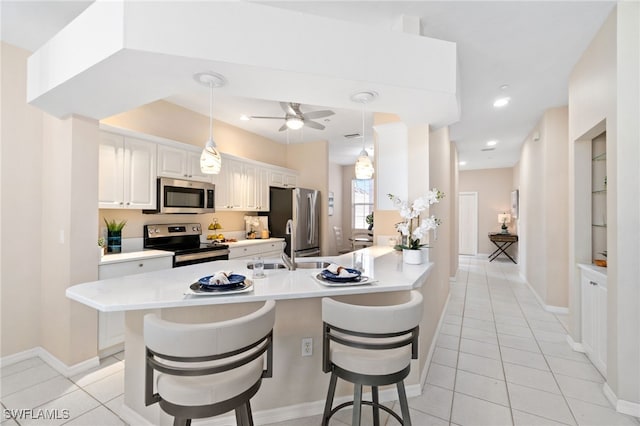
x=310, y=220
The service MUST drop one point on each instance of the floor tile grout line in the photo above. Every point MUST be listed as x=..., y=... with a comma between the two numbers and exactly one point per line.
x=564, y=397
x=504, y=374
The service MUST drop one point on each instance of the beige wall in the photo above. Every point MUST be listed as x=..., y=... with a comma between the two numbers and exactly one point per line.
x=335, y=186
x=494, y=188
x=312, y=159
x=543, y=222
x=603, y=95
x=21, y=208
x=454, y=209
x=49, y=222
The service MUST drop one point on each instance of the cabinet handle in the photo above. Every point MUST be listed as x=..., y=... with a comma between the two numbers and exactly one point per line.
x=121, y=202
x=128, y=203
x=140, y=265
x=592, y=283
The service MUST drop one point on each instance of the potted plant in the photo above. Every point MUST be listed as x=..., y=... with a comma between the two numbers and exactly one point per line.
x=412, y=228
x=369, y=220
x=101, y=245
x=114, y=235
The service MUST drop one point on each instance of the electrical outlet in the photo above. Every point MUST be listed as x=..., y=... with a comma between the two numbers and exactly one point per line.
x=307, y=346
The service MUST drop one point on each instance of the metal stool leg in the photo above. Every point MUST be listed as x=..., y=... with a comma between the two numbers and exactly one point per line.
x=404, y=405
x=329, y=402
x=357, y=404
x=376, y=409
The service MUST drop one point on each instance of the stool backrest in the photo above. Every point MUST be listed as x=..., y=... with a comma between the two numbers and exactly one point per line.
x=373, y=319
x=201, y=340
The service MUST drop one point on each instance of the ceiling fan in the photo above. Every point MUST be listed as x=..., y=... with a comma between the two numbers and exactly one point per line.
x=295, y=119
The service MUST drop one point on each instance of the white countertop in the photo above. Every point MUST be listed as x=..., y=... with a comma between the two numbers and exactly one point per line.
x=108, y=259
x=166, y=288
x=249, y=242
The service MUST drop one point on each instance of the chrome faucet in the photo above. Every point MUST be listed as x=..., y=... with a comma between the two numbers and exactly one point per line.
x=290, y=261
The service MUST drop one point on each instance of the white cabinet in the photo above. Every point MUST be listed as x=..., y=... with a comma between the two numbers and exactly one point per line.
x=111, y=324
x=257, y=188
x=282, y=179
x=242, y=185
x=267, y=249
x=126, y=172
x=180, y=163
x=594, y=316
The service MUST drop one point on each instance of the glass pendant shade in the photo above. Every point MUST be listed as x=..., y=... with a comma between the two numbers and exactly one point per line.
x=364, y=167
x=210, y=159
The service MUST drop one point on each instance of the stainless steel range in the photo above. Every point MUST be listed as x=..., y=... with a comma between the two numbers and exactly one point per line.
x=183, y=239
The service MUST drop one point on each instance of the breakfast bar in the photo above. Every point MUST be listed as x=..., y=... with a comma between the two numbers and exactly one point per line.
x=298, y=386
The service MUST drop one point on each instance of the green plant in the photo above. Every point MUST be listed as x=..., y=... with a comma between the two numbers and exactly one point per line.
x=101, y=242
x=113, y=226
x=369, y=219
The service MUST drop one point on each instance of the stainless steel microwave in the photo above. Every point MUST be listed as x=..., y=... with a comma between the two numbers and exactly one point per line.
x=184, y=196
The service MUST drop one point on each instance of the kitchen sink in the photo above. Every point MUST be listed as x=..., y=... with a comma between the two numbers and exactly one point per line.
x=270, y=266
x=311, y=265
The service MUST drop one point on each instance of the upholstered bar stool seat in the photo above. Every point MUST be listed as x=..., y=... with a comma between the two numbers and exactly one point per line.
x=202, y=370
x=370, y=346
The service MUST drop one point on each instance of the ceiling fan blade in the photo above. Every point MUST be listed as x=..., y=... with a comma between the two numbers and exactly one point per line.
x=259, y=116
x=286, y=107
x=283, y=127
x=313, y=125
x=318, y=114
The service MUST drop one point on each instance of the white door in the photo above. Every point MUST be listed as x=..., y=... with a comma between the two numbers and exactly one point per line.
x=468, y=223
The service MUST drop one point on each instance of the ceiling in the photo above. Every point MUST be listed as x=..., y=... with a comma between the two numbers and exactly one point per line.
x=529, y=47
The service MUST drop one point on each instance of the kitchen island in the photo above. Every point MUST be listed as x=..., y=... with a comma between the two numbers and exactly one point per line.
x=298, y=386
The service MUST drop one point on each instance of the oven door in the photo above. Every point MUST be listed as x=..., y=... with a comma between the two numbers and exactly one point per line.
x=199, y=257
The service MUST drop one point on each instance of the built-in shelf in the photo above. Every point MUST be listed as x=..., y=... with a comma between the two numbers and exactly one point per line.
x=600, y=157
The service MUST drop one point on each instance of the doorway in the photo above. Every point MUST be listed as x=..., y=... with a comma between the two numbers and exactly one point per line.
x=468, y=223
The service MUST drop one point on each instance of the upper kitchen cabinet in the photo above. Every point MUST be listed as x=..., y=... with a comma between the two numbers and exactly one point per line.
x=180, y=163
x=257, y=188
x=127, y=172
x=230, y=186
x=283, y=178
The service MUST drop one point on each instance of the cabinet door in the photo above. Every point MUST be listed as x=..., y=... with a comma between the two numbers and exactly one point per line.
x=110, y=176
x=290, y=180
x=193, y=167
x=235, y=185
x=588, y=314
x=600, y=341
x=139, y=174
x=251, y=176
x=262, y=190
x=172, y=162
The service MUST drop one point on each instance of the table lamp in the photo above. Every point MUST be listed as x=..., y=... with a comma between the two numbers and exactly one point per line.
x=504, y=218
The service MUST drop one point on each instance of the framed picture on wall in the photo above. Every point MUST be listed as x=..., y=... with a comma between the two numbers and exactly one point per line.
x=514, y=204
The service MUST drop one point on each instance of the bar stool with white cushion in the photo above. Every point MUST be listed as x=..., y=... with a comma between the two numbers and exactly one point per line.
x=203, y=370
x=370, y=346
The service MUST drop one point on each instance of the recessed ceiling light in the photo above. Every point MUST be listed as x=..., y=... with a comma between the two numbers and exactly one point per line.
x=500, y=102
x=244, y=117
x=492, y=143
x=462, y=163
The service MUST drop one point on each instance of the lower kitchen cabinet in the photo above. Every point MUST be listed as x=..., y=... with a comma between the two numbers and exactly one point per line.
x=111, y=324
x=594, y=316
x=267, y=249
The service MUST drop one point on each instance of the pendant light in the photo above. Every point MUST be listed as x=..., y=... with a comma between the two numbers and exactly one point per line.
x=364, y=167
x=210, y=159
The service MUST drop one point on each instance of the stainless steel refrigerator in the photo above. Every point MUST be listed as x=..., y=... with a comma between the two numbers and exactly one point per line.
x=302, y=207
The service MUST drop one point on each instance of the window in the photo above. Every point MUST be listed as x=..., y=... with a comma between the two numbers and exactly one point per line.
x=361, y=201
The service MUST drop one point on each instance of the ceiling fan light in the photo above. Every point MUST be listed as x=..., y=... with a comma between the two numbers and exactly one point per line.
x=294, y=123
x=210, y=159
x=364, y=167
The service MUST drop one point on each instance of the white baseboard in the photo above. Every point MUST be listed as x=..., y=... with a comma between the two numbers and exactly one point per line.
x=621, y=406
x=53, y=362
x=575, y=345
x=133, y=418
x=432, y=348
x=549, y=308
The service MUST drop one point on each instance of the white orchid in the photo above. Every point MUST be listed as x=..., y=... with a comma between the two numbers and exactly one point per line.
x=412, y=227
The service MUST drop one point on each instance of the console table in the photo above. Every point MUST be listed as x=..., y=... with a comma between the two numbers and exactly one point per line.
x=503, y=242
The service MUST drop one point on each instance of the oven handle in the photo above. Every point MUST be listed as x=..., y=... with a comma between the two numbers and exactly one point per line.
x=201, y=255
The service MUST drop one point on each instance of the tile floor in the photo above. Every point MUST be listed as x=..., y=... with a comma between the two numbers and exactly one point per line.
x=500, y=359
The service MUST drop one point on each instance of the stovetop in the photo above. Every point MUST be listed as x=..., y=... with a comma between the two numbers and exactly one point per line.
x=178, y=237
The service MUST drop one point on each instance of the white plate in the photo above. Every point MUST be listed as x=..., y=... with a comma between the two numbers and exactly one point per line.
x=364, y=280
x=194, y=290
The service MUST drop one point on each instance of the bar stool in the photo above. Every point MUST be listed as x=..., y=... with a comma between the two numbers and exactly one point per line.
x=204, y=370
x=369, y=346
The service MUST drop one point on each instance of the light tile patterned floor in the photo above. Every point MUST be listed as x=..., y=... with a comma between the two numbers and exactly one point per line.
x=500, y=359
